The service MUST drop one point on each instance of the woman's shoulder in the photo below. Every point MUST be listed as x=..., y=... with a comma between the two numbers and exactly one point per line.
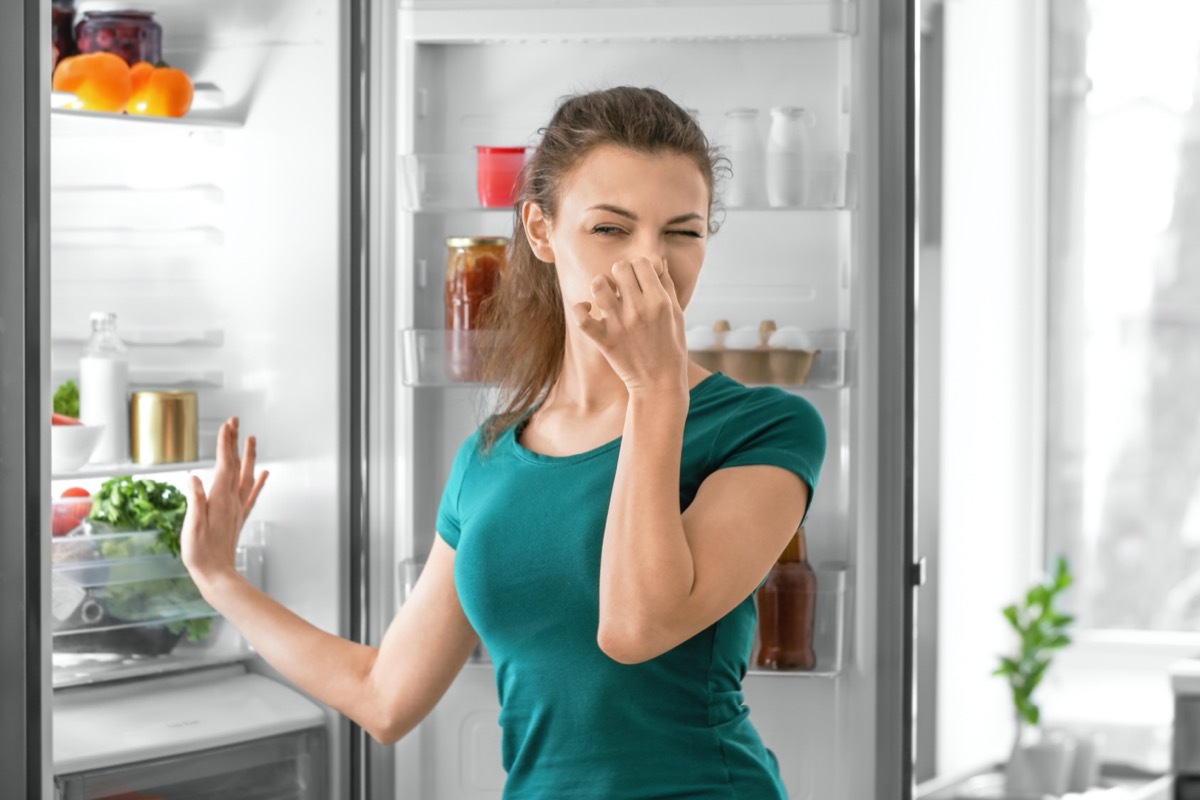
x=723, y=396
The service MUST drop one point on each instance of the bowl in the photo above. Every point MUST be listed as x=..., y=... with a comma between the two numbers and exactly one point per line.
x=72, y=445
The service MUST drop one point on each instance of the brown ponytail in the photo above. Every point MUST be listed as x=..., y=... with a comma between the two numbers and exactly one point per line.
x=526, y=312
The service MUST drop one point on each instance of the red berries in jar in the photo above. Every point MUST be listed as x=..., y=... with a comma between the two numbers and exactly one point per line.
x=132, y=35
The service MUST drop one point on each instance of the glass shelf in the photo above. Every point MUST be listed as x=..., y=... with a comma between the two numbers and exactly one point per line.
x=150, y=337
x=157, y=377
x=130, y=468
x=829, y=628
x=445, y=21
x=209, y=110
x=445, y=183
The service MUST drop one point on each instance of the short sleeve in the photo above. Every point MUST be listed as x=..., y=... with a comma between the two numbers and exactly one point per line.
x=772, y=427
x=449, y=521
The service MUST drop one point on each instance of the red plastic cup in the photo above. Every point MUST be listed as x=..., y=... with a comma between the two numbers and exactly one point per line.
x=497, y=172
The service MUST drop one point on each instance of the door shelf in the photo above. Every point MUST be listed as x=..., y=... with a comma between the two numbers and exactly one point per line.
x=120, y=598
x=439, y=358
x=446, y=183
x=828, y=632
x=478, y=22
x=813, y=360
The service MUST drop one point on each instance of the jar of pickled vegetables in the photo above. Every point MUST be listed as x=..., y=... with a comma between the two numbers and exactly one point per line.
x=132, y=35
x=473, y=268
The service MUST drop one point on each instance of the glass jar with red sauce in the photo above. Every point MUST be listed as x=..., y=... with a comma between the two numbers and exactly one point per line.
x=132, y=35
x=787, y=604
x=473, y=268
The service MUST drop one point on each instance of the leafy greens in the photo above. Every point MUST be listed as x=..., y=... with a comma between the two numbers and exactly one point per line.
x=128, y=504
x=66, y=399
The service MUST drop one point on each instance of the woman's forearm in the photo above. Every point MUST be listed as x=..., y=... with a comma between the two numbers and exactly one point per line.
x=646, y=567
x=333, y=670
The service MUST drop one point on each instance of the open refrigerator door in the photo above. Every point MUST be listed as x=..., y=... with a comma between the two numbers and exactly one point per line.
x=805, y=271
x=216, y=239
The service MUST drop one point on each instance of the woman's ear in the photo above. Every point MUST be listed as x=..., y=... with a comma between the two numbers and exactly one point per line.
x=537, y=231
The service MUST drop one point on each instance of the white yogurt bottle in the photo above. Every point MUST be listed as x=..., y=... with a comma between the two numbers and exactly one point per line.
x=743, y=143
x=104, y=389
x=787, y=155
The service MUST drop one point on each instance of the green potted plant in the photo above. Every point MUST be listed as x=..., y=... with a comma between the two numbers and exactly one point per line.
x=1039, y=763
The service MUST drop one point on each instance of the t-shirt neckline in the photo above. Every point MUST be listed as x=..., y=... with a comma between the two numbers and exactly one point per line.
x=535, y=457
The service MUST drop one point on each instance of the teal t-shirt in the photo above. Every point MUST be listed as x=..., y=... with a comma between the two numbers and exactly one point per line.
x=527, y=529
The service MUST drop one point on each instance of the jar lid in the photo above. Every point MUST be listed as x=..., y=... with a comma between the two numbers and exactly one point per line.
x=476, y=241
x=106, y=7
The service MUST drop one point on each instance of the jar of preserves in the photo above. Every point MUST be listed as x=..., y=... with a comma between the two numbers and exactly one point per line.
x=473, y=268
x=62, y=30
x=787, y=604
x=132, y=35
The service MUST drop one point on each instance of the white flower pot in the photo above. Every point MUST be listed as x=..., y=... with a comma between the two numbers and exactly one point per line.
x=1041, y=767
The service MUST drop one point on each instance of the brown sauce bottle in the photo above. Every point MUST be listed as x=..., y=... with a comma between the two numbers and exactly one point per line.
x=787, y=605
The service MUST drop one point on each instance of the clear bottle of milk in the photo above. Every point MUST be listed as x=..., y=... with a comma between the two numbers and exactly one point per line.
x=104, y=389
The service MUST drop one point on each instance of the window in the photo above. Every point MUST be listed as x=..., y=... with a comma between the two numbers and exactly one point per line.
x=1123, y=388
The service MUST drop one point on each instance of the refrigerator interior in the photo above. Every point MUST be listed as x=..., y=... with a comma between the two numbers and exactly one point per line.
x=465, y=74
x=218, y=240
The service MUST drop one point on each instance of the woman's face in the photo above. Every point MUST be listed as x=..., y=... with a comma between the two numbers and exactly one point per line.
x=617, y=205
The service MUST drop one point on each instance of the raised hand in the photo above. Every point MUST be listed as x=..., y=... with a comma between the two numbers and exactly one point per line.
x=640, y=329
x=214, y=519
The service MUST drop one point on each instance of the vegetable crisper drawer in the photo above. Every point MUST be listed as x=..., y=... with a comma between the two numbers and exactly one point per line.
x=287, y=767
x=124, y=593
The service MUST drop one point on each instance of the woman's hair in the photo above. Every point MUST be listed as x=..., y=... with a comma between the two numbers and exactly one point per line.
x=525, y=315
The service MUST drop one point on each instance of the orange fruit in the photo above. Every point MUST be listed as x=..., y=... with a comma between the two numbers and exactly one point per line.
x=99, y=81
x=165, y=92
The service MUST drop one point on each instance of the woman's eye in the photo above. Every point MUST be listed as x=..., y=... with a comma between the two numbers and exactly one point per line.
x=607, y=230
x=693, y=234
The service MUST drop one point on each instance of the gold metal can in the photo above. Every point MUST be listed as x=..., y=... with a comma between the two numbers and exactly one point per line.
x=163, y=427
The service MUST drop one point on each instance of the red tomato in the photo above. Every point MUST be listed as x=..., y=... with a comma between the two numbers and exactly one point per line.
x=63, y=419
x=76, y=491
x=66, y=517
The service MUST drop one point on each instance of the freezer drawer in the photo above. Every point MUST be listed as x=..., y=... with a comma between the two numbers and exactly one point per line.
x=287, y=767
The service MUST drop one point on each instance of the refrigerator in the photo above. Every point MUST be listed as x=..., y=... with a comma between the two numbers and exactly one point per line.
x=280, y=251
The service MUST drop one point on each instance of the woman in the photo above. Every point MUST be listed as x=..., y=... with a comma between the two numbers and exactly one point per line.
x=605, y=530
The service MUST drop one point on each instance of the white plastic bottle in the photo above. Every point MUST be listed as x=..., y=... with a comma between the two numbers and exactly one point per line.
x=104, y=389
x=743, y=143
x=787, y=155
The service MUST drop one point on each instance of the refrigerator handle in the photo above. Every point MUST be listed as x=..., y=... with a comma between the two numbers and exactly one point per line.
x=917, y=573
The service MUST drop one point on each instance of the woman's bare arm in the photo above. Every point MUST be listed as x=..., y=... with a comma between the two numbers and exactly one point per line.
x=386, y=690
x=664, y=577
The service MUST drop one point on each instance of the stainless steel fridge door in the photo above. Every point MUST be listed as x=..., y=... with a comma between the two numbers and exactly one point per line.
x=24, y=408
x=900, y=575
